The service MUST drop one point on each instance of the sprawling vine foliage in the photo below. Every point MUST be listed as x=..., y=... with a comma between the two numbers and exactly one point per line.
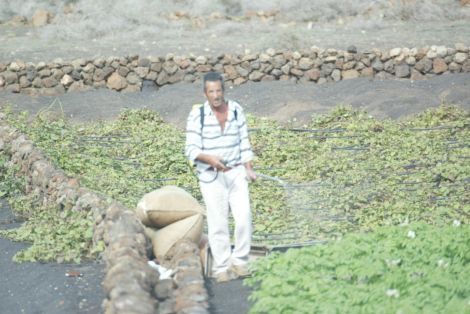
x=345, y=171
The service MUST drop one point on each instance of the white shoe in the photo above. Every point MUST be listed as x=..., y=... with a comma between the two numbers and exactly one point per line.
x=241, y=270
x=225, y=276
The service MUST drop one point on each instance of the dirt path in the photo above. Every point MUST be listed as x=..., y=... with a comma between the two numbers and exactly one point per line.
x=280, y=100
x=229, y=297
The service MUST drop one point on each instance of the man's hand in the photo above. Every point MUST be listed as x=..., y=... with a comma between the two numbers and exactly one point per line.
x=250, y=174
x=217, y=163
x=214, y=161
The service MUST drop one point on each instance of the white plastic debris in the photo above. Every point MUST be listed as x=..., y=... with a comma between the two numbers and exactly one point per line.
x=411, y=234
x=442, y=263
x=393, y=262
x=165, y=273
x=392, y=293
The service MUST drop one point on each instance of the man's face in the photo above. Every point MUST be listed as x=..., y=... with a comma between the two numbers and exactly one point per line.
x=214, y=93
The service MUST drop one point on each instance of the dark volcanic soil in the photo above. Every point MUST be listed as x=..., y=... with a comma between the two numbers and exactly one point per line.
x=280, y=100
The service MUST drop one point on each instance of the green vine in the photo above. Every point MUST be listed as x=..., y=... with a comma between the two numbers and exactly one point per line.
x=415, y=268
x=62, y=236
x=344, y=171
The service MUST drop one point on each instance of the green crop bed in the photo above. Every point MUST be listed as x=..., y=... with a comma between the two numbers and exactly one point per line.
x=343, y=172
x=416, y=268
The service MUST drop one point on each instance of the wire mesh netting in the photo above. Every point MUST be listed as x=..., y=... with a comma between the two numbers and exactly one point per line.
x=314, y=184
x=322, y=209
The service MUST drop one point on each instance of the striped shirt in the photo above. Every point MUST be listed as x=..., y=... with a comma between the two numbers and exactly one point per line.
x=232, y=145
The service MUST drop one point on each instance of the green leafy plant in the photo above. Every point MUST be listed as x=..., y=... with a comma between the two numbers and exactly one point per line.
x=62, y=236
x=415, y=268
x=9, y=182
x=344, y=171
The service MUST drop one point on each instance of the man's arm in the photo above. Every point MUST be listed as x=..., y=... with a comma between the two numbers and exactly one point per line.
x=250, y=173
x=193, y=145
x=214, y=161
x=245, y=147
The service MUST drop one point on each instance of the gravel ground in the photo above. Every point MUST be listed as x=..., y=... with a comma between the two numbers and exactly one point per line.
x=27, y=44
x=229, y=297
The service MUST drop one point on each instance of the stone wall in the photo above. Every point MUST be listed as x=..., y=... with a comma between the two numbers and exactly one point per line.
x=131, y=285
x=316, y=65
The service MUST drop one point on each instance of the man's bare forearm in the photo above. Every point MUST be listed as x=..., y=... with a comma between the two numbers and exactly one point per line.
x=249, y=171
x=212, y=160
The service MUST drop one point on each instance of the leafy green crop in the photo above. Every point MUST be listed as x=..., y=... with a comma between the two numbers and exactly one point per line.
x=9, y=182
x=344, y=171
x=415, y=268
x=62, y=236
x=365, y=172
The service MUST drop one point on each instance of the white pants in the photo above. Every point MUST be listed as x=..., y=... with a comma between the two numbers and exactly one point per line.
x=228, y=190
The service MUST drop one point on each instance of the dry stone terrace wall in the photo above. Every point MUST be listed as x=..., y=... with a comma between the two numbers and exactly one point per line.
x=315, y=65
x=131, y=285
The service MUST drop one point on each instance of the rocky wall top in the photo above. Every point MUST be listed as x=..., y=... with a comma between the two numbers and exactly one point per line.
x=131, y=73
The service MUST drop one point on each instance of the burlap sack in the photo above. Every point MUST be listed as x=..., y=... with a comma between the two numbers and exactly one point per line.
x=142, y=215
x=167, y=205
x=163, y=239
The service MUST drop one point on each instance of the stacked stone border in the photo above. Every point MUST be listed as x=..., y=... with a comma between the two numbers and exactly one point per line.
x=129, y=74
x=130, y=284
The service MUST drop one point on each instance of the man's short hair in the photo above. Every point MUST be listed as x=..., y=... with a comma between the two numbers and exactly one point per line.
x=213, y=77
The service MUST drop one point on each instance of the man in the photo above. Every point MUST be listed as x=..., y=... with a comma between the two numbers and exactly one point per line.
x=217, y=141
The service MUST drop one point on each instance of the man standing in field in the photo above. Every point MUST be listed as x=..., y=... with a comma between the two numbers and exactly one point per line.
x=217, y=141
